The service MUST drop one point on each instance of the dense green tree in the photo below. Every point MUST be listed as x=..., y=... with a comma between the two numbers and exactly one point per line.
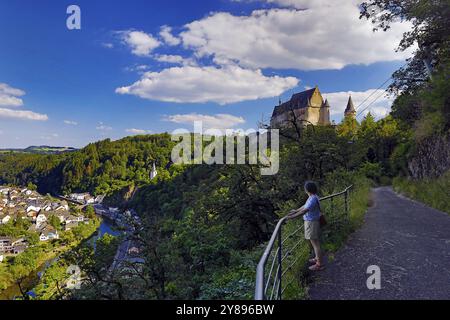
x=430, y=31
x=54, y=221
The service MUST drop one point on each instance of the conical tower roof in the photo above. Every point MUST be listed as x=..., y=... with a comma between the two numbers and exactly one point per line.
x=350, y=107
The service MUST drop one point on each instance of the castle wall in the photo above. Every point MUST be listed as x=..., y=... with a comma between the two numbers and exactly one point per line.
x=313, y=113
x=325, y=116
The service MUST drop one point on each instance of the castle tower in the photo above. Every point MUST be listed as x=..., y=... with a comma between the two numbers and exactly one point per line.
x=324, y=119
x=350, y=111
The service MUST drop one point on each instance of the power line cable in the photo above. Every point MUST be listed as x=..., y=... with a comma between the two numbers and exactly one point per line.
x=367, y=107
x=375, y=91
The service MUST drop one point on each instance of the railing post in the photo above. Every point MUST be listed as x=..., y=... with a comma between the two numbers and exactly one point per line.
x=280, y=261
x=331, y=206
x=346, y=205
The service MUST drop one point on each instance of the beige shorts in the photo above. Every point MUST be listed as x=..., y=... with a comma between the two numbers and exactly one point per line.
x=312, y=230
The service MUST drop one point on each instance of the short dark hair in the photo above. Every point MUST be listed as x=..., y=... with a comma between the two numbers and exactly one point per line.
x=311, y=187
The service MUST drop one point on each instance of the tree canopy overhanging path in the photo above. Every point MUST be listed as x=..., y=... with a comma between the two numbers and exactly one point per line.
x=409, y=241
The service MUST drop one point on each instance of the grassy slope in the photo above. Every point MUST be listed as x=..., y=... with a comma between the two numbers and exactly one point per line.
x=435, y=193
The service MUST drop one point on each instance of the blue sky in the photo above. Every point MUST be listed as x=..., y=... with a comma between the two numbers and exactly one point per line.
x=153, y=66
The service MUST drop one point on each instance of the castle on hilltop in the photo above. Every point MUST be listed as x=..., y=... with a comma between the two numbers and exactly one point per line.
x=307, y=107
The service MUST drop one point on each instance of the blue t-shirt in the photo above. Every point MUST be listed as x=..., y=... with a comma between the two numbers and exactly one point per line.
x=313, y=206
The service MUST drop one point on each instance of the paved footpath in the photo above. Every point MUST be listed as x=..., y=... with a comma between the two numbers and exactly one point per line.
x=409, y=241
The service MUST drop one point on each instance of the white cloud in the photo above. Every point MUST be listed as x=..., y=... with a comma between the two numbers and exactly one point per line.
x=71, y=123
x=218, y=121
x=138, y=131
x=22, y=114
x=141, y=43
x=338, y=102
x=224, y=85
x=102, y=127
x=175, y=59
x=306, y=4
x=166, y=34
x=142, y=67
x=327, y=35
x=9, y=96
x=108, y=45
x=138, y=68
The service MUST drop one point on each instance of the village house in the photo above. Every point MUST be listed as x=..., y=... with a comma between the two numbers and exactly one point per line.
x=46, y=205
x=13, y=194
x=72, y=218
x=49, y=233
x=62, y=215
x=19, y=246
x=32, y=215
x=33, y=208
x=63, y=206
x=85, y=198
x=18, y=249
x=10, y=246
x=70, y=225
x=4, y=190
x=26, y=191
x=40, y=220
x=5, y=244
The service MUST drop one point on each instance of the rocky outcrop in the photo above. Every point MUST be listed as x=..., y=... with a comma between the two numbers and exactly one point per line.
x=120, y=197
x=431, y=159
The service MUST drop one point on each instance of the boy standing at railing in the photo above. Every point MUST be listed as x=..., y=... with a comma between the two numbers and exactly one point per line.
x=311, y=216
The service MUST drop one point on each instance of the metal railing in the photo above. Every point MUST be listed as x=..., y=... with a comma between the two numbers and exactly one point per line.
x=283, y=253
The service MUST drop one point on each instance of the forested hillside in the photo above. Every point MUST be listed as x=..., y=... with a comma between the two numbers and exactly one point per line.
x=100, y=168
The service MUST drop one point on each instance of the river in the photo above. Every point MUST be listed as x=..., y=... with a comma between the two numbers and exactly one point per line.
x=106, y=227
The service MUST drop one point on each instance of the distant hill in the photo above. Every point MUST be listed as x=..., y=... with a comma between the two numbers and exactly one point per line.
x=39, y=150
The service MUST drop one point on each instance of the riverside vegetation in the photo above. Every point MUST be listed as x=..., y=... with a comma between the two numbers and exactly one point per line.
x=204, y=227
